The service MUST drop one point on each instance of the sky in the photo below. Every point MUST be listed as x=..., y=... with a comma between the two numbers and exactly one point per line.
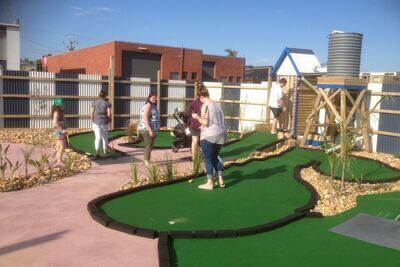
x=258, y=30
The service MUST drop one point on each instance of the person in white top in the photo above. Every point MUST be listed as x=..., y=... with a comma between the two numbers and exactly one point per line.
x=275, y=102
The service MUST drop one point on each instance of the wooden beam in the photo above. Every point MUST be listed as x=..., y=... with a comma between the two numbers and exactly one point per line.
x=355, y=107
x=111, y=93
x=385, y=93
x=365, y=128
x=324, y=103
x=386, y=133
x=396, y=112
x=158, y=90
x=331, y=106
x=343, y=106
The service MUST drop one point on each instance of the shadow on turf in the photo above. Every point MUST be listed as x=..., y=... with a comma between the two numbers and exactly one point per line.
x=258, y=175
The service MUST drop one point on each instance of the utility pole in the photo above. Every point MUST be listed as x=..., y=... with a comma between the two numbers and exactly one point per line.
x=70, y=42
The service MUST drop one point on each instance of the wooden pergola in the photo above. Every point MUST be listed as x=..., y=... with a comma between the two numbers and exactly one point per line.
x=331, y=90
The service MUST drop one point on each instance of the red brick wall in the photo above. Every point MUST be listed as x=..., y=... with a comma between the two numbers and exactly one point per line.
x=227, y=66
x=91, y=60
x=170, y=58
x=96, y=60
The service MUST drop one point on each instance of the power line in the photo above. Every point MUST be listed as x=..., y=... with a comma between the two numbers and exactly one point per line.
x=37, y=43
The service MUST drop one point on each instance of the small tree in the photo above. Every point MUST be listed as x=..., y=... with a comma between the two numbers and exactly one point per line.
x=332, y=155
x=231, y=52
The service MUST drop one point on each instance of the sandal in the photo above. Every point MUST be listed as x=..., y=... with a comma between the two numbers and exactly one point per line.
x=221, y=185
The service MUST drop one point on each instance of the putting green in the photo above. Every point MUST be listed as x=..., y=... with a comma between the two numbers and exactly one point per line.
x=257, y=193
x=368, y=169
x=247, y=145
x=84, y=142
x=307, y=242
x=164, y=139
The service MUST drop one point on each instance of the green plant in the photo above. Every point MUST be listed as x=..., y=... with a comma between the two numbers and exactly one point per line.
x=346, y=142
x=14, y=168
x=134, y=172
x=152, y=172
x=27, y=153
x=4, y=161
x=197, y=162
x=69, y=163
x=40, y=164
x=332, y=156
x=168, y=167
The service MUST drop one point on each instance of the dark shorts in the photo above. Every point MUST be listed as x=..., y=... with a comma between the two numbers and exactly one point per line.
x=194, y=132
x=276, y=111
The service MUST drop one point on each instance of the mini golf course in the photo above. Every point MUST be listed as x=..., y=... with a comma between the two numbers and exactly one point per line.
x=84, y=143
x=261, y=195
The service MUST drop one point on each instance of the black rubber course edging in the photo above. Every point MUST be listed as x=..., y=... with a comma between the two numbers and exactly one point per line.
x=99, y=216
x=119, y=153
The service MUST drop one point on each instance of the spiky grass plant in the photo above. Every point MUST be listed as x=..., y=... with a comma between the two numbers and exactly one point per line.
x=168, y=168
x=4, y=161
x=197, y=162
x=332, y=155
x=134, y=172
x=152, y=172
x=27, y=153
x=40, y=164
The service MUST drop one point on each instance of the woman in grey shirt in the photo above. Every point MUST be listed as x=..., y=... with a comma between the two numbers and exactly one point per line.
x=101, y=117
x=212, y=136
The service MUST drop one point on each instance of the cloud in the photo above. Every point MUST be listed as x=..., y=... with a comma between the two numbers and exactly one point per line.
x=105, y=9
x=79, y=11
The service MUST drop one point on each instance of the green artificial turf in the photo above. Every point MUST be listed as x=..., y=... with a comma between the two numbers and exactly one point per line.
x=257, y=193
x=369, y=170
x=164, y=139
x=246, y=145
x=85, y=142
x=307, y=242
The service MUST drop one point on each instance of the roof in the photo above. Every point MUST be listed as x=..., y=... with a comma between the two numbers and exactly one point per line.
x=297, y=61
x=9, y=25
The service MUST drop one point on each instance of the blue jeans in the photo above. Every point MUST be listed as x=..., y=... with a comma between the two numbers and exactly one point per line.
x=210, y=154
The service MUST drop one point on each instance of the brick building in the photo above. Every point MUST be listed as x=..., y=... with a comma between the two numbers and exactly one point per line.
x=143, y=60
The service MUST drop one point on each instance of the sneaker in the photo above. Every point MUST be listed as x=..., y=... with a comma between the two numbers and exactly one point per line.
x=147, y=163
x=206, y=187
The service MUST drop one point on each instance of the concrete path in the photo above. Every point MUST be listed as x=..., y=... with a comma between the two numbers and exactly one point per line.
x=49, y=225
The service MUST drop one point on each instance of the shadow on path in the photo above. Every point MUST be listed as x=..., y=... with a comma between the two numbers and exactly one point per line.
x=32, y=242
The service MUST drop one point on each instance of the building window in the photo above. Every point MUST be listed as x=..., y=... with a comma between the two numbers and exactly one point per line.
x=174, y=76
x=224, y=79
x=238, y=78
x=231, y=79
x=184, y=75
x=194, y=76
